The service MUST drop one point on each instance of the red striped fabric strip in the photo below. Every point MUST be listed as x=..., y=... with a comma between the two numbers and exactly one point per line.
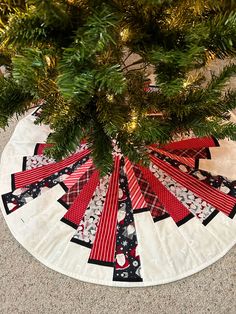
x=103, y=250
x=193, y=143
x=24, y=178
x=172, y=205
x=78, y=173
x=185, y=160
x=214, y=197
x=136, y=196
x=76, y=212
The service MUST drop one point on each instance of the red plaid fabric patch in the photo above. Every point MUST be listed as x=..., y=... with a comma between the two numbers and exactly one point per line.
x=193, y=153
x=72, y=193
x=153, y=203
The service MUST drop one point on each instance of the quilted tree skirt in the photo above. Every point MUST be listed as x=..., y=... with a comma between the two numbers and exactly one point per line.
x=133, y=227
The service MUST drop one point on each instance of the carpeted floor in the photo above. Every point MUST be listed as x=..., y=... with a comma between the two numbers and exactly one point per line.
x=29, y=287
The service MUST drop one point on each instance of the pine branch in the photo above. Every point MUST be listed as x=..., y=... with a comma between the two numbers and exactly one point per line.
x=216, y=34
x=152, y=130
x=111, y=79
x=28, y=68
x=13, y=100
x=28, y=27
x=65, y=140
x=112, y=114
x=53, y=13
x=218, y=82
x=215, y=127
x=101, y=146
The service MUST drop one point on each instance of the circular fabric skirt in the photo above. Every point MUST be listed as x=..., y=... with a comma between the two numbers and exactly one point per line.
x=136, y=226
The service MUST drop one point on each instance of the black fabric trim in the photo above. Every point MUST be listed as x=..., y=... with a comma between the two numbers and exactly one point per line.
x=128, y=279
x=140, y=210
x=183, y=221
x=209, y=218
x=24, y=163
x=5, y=205
x=102, y=263
x=196, y=166
x=80, y=242
x=35, y=111
x=233, y=212
x=36, y=149
x=13, y=185
x=65, y=188
x=64, y=204
x=215, y=141
x=208, y=152
x=69, y=223
x=162, y=217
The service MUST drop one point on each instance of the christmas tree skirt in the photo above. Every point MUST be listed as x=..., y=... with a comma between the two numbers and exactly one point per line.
x=135, y=226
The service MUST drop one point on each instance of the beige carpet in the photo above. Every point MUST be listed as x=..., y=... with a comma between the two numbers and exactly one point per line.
x=29, y=287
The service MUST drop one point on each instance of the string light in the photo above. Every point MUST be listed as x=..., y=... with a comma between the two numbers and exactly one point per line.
x=132, y=125
x=186, y=84
x=110, y=98
x=125, y=34
x=191, y=79
x=48, y=60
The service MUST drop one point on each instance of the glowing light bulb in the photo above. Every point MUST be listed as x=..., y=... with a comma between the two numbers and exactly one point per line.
x=124, y=34
x=132, y=125
x=48, y=60
x=110, y=98
x=186, y=84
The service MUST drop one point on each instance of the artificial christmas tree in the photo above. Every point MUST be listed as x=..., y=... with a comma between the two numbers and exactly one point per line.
x=110, y=180
x=75, y=55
